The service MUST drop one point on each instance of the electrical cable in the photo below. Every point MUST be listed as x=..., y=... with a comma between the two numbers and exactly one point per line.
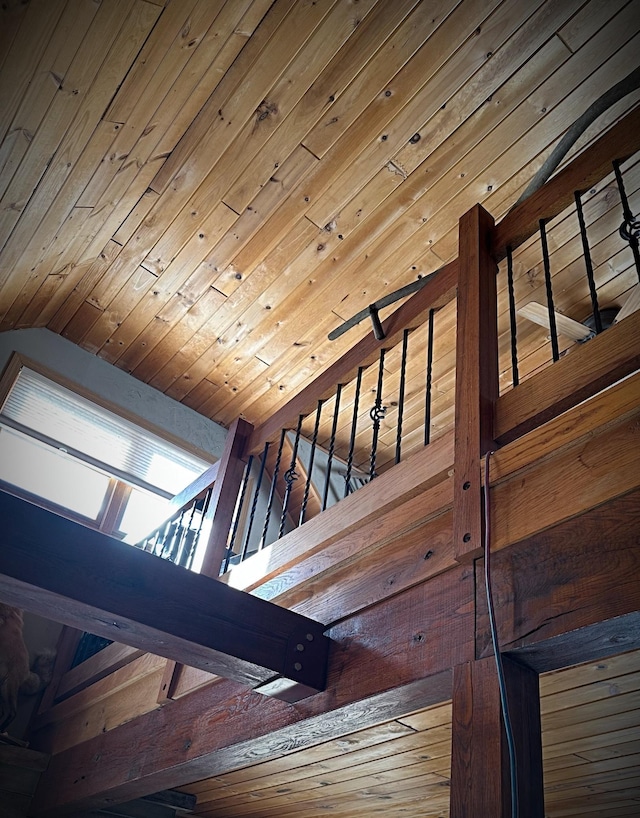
x=504, y=704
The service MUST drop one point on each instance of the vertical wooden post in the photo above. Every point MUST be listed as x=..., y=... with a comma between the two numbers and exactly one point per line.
x=224, y=495
x=480, y=781
x=476, y=377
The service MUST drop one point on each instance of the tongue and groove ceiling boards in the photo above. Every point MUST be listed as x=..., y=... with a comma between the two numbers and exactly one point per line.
x=199, y=191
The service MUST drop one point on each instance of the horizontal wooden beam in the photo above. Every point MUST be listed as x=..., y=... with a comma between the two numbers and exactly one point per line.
x=413, y=313
x=570, y=594
x=72, y=574
x=386, y=661
x=591, y=166
x=608, y=357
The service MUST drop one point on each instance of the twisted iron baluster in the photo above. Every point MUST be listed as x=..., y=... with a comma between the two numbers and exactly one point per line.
x=236, y=519
x=586, y=250
x=332, y=444
x=630, y=227
x=555, y=352
x=254, y=503
x=427, y=405
x=307, y=485
x=512, y=319
x=403, y=381
x=290, y=476
x=376, y=414
x=272, y=490
x=354, y=427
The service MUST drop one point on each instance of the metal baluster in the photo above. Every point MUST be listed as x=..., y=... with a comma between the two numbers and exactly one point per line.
x=376, y=414
x=403, y=381
x=427, y=407
x=588, y=263
x=202, y=506
x=512, y=319
x=354, y=427
x=236, y=519
x=254, y=503
x=290, y=476
x=555, y=352
x=187, y=539
x=272, y=491
x=630, y=227
x=314, y=441
x=332, y=444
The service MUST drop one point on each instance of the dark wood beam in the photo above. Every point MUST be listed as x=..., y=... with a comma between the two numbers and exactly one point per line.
x=80, y=577
x=569, y=594
x=386, y=661
x=476, y=377
x=480, y=776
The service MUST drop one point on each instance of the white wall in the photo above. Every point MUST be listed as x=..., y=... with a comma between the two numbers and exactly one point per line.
x=118, y=387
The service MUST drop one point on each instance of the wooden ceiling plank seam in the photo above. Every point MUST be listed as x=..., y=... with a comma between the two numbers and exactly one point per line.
x=446, y=186
x=160, y=57
x=84, y=74
x=165, y=211
x=261, y=39
x=19, y=61
x=168, y=282
x=393, y=55
x=142, y=281
x=135, y=216
x=11, y=17
x=64, y=240
x=593, y=673
x=66, y=33
x=588, y=21
x=437, y=84
x=329, y=35
x=79, y=121
x=83, y=287
x=165, y=370
x=167, y=98
x=81, y=321
x=347, y=62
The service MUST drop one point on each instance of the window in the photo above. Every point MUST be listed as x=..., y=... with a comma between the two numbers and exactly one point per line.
x=76, y=455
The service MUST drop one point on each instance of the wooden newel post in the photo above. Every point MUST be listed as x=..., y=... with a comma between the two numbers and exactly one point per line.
x=476, y=376
x=225, y=494
x=480, y=780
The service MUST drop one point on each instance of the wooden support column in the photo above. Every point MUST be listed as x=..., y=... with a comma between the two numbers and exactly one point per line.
x=224, y=496
x=480, y=780
x=476, y=376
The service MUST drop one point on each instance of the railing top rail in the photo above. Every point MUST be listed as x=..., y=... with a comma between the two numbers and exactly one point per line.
x=437, y=292
x=591, y=166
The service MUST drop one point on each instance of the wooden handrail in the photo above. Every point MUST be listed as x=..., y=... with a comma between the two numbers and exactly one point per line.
x=440, y=290
x=591, y=166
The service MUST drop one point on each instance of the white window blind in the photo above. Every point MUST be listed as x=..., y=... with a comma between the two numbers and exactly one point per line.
x=69, y=421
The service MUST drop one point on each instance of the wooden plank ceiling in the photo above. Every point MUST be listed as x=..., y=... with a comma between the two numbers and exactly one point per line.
x=199, y=191
x=591, y=747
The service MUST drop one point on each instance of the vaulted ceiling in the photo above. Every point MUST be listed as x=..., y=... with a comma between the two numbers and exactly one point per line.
x=199, y=191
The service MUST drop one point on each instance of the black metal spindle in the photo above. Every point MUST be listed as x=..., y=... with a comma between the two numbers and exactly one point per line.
x=427, y=406
x=354, y=427
x=238, y=514
x=586, y=250
x=403, y=382
x=332, y=445
x=187, y=538
x=254, y=502
x=513, y=327
x=307, y=485
x=376, y=414
x=555, y=351
x=272, y=491
x=290, y=476
x=630, y=227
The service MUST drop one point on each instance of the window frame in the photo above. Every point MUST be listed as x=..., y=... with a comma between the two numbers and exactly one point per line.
x=119, y=489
